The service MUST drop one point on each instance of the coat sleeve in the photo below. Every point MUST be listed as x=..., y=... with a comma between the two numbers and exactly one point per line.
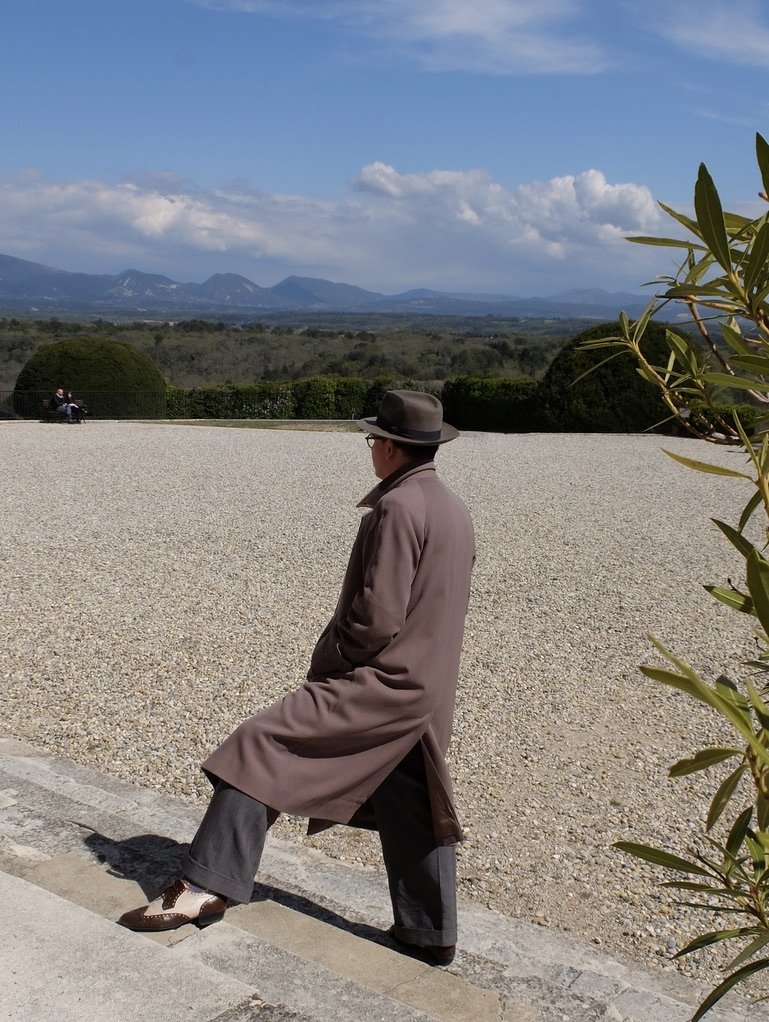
x=377, y=612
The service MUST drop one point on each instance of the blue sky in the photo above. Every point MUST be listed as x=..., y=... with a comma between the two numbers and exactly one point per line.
x=492, y=145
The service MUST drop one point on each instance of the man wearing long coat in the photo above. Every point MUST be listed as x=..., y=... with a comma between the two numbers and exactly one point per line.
x=363, y=740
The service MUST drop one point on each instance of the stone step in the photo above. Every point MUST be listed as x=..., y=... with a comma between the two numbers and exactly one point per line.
x=59, y=961
x=313, y=940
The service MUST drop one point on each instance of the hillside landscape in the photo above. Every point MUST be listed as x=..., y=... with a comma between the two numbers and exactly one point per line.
x=43, y=290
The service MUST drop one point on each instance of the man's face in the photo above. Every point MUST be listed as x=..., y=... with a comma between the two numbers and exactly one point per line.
x=379, y=451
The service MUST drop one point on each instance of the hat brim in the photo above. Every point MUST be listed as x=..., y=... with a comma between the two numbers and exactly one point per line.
x=369, y=426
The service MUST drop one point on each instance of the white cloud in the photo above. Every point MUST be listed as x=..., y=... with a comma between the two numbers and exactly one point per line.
x=731, y=31
x=442, y=229
x=492, y=36
x=533, y=36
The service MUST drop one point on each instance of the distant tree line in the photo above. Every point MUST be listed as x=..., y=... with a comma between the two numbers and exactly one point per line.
x=197, y=353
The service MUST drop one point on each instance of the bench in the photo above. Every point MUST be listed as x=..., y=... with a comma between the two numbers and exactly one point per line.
x=51, y=414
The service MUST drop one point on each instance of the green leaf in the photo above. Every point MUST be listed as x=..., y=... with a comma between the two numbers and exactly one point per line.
x=758, y=855
x=735, y=382
x=710, y=216
x=749, y=510
x=682, y=219
x=723, y=988
x=762, y=812
x=758, y=364
x=690, y=885
x=719, y=910
x=763, y=839
x=639, y=326
x=702, y=760
x=691, y=285
x=721, y=798
x=690, y=683
x=713, y=289
x=760, y=708
x=759, y=298
x=688, y=354
x=735, y=537
x=762, y=156
x=647, y=374
x=706, y=939
x=728, y=688
x=736, y=223
x=735, y=339
x=640, y=239
x=660, y=858
x=738, y=832
x=732, y=598
x=729, y=692
x=695, y=689
x=758, y=586
x=704, y=466
x=758, y=263
x=752, y=949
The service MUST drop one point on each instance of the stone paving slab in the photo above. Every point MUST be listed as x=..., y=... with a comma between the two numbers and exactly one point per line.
x=59, y=961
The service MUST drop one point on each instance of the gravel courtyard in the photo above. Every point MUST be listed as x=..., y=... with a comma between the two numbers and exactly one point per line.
x=161, y=582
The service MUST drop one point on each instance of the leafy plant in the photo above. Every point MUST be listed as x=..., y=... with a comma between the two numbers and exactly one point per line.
x=723, y=280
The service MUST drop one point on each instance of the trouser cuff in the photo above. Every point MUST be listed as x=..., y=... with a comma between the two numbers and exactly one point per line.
x=217, y=882
x=425, y=938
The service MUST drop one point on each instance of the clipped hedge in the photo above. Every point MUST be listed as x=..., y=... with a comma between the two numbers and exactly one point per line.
x=492, y=403
x=247, y=401
x=317, y=397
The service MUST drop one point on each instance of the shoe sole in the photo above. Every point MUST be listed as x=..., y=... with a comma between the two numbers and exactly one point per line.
x=202, y=921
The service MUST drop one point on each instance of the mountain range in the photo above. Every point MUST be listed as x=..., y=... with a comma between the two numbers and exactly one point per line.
x=34, y=287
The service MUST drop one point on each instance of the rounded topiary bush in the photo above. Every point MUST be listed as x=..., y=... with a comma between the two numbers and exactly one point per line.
x=614, y=398
x=113, y=379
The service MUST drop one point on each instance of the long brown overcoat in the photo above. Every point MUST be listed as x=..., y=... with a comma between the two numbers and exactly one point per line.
x=383, y=673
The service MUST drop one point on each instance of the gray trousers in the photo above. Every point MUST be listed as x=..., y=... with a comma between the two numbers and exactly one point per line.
x=225, y=853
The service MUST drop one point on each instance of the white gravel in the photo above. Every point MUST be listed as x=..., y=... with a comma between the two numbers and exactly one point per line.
x=159, y=583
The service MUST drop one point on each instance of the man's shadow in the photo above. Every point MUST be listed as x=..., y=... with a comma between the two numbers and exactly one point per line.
x=152, y=861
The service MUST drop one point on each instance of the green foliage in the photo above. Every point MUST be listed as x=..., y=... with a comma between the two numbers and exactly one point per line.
x=252, y=401
x=376, y=390
x=490, y=403
x=114, y=379
x=314, y=398
x=176, y=402
x=723, y=281
x=196, y=353
x=584, y=392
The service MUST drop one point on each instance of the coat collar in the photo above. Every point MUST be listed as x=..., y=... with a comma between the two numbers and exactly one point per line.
x=373, y=497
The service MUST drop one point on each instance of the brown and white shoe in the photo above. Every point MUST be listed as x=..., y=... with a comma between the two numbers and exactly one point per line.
x=176, y=905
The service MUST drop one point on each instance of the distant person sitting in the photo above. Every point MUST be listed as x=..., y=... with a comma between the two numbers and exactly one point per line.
x=66, y=405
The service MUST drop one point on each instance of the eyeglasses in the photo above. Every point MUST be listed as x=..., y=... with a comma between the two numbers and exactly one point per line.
x=371, y=438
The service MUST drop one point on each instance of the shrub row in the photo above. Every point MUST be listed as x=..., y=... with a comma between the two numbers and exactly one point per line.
x=487, y=403
x=318, y=397
x=490, y=403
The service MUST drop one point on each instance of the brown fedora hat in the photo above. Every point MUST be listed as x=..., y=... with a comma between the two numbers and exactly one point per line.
x=410, y=417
